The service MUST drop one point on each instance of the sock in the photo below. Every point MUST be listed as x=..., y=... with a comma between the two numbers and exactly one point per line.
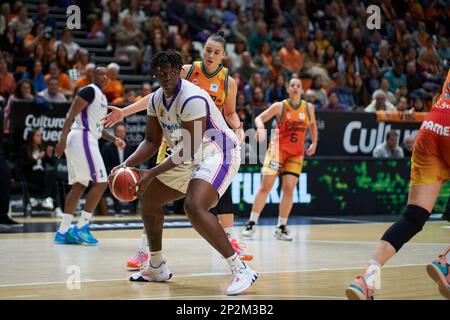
x=84, y=219
x=254, y=216
x=144, y=243
x=65, y=223
x=156, y=259
x=282, y=221
x=235, y=261
x=373, y=275
x=229, y=232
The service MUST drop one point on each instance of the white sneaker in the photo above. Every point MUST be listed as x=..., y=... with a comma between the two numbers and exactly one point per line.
x=48, y=204
x=58, y=212
x=33, y=202
x=281, y=233
x=249, y=230
x=243, y=278
x=151, y=274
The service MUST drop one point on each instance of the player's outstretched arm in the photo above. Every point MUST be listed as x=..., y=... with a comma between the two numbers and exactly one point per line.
x=313, y=131
x=118, y=114
x=273, y=111
x=229, y=110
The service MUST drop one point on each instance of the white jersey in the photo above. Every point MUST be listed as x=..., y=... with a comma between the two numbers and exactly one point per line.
x=89, y=118
x=190, y=102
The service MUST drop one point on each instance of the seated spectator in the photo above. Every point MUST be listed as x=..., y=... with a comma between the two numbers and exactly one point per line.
x=65, y=85
x=146, y=89
x=444, y=50
x=42, y=16
x=62, y=58
x=379, y=103
x=402, y=105
x=52, y=93
x=419, y=106
x=408, y=146
x=258, y=104
x=156, y=45
x=71, y=46
x=291, y=58
x=44, y=36
x=343, y=92
x=384, y=87
x=88, y=76
x=32, y=160
x=128, y=98
x=130, y=42
x=360, y=93
x=333, y=103
x=133, y=10
x=80, y=62
x=277, y=91
x=257, y=81
x=395, y=77
x=240, y=47
x=7, y=81
x=11, y=47
x=329, y=60
x=265, y=60
x=24, y=90
x=114, y=88
x=247, y=69
x=318, y=89
x=310, y=96
x=242, y=27
x=197, y=19
x=373, y=81
x=35, y=75
x=389, y=148
x=244, y=111
x=21, y=23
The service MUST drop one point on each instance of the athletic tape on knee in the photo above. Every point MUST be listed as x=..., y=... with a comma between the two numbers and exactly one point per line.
x=410, y=223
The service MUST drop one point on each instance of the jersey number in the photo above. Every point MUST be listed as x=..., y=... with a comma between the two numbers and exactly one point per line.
x=294, y=137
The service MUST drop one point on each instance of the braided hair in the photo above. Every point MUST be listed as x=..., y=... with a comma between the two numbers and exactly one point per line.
x=166, y=58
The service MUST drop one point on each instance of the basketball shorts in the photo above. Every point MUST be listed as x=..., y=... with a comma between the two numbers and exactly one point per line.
x=430, y=160
x=216, y=167
x=277, y=161
x=84, y=161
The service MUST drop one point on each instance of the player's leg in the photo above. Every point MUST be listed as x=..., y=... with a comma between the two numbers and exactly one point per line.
x=154, y=198
x=289, y=181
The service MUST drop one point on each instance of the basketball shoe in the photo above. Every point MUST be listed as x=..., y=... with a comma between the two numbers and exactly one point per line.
x=152, y=274
x=282, y=233
x=438, y=270
x=81, y=236
x=239, y=248
x=358, y=290
x=249, y=230
x=138, y=261
x=61, y=238
x=242, y=279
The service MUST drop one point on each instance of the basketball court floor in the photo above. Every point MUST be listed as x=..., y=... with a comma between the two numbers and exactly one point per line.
x=325, y=256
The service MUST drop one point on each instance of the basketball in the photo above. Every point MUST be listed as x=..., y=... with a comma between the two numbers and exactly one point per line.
x=120, y=182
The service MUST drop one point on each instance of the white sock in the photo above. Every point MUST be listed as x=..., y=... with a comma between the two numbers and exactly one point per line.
x=282, y=221
x=229, y=232
x=372, y=276
x=65, y=223
x=144, y=244
x=84, y=219
x=234, y=260
x=156, y=259
x=254, y=216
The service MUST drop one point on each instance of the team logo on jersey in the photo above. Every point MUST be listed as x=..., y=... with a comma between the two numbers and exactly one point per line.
x=301, y=116
x=214, y=87
x=161, y=112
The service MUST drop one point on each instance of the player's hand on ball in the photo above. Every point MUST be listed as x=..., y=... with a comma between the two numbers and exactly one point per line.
x=60, y=147
x=146, y=178
x=122, y=165
x=311, y=150
x=113, y=117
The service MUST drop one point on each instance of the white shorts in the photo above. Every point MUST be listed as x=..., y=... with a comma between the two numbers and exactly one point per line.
x=218, y=168
x=84, y=161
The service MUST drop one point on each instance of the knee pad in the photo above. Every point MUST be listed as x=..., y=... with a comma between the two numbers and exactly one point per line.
x=410, y=223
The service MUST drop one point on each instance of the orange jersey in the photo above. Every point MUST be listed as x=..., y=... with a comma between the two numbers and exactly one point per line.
x=443, y=103
x=292, y=126
x=216, y=84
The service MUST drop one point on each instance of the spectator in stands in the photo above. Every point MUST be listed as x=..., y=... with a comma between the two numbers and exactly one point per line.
x=395, y=77
x=419, y=106
x=277, y=91
x=21, y=23
x=360, y=93
x=384, y=61
x=258, y=103
x=343, y=92
x=130, y=42
x=80, y=61
x=311, y=97
x=318, y=89
x=348, y=57
x=265, y=60
x=157, y=24
x=88, y=76
x=256, y=81
x=32, y=161
x=52, y=93
x=402, y=105
x=310, y=57
x=42, y=16
x=247, y=69
x=389, y=148
x=380, y=103
x=197, y=19
x=333, y=103
x=65, y=85
x=384, y=87
x=39, y=35
x=408, y=145
x=236, y=55
x=135, y=12
x=11, y=47
x=39, y=55
x=243, y=110
x=35, y=74
x=146, y=89
x=177, y=12
x=256, y=39
x=3, y=22
x=291, y=58
x=110, y=19
x=329, y=60
x=114, y=88
x=128, y=98
x=71, y=46
x=444, y=50
x=62, y=58
x=242, y=27
x=24, y=90
x=7, y=81
x=156, y=45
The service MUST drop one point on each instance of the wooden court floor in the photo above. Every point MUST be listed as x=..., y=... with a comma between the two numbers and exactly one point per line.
x=319, y=264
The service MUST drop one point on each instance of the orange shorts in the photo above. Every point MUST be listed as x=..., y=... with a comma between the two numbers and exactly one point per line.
x=430, y=161
x=278, y=161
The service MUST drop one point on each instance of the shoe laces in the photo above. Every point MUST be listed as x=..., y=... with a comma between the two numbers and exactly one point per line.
x=249, y=225
x=283, y=230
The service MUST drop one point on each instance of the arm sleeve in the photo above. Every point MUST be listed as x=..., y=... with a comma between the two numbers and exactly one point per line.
x=87, y=93
x=193, y=109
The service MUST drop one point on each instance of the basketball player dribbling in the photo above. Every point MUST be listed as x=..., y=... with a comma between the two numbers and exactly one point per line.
x=79, y=141
x=430, y=168
x=205, y=158
x=211, y=76
x=285, y=154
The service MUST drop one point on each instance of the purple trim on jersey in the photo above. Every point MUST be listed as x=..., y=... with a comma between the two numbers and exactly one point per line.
x=177, y=90
x=87, y=150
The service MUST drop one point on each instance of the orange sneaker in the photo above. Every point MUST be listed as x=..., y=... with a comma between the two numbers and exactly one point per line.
x=239, y=248
x=358, y=290
x=138, y=261
x=438, y=270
